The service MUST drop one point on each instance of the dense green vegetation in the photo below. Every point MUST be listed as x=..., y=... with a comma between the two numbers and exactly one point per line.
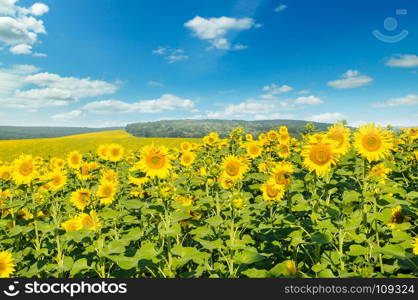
x=17, y=132
x=200, y=128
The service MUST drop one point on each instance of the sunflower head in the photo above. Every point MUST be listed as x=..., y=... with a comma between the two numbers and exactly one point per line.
x=373, y=143
x=74, y=159
x=25, y=170
x=254, y=149
x=7, y=267
x=74, y=224
x=340, y=135
x=234, y=167
x=281, y=173
x=397, y=217
x=103, y=152
x=319, y=155
x=187, y=158
x=186, y=146
x=81, y=198
x=290, y=266
x=415, y=246
x=90, y=220
x=106, y=192
x=272, y=191
x=155, y=161
x=115, y=152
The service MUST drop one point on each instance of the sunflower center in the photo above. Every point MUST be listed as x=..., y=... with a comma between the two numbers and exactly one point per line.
x=232, y=168
x=115, y=152
x=26, y=169
x=57, y=180
x=3, y=266
x=75, y=159
x=280, y=178
x=320, y=154
x=338, y=137
x=84, y=197
x=156, y=161
x=187, y=159
x=107, y=191
x=372, y=142
x=254, y=149
x=271, y=191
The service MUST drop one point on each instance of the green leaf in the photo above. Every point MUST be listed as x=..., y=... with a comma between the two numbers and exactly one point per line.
x=393, y=250
x=79, y=265
x=248, y=257
x=133, y=204
x=255, y=273
x=356, y=250
x=147, y=251
x=215, y=221
x=351, y=196
x=327, y=273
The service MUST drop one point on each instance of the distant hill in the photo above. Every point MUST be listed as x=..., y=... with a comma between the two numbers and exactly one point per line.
x=17, y=132
x=200, y=128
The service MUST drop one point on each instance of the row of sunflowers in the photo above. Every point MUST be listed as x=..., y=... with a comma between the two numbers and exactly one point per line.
x=327, y=204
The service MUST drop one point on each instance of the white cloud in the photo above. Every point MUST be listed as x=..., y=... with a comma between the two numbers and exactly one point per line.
x=165, y=102
x=170, y=54
x=215, y=30
x=248, y=109
x=21, y=49
x=39, y=9
x=274, y=89
x=174, y=58
x=403, y=61
x=408, y=100
x=327, y=117
x=351, y=79
x=18, y=25
x=67, y=116
x=310, y=100
x=23, y=87
x=303, y=92
x=280, y=8
x=155, y=83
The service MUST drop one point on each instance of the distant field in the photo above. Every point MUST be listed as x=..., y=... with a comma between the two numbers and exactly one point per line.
x=60, y=147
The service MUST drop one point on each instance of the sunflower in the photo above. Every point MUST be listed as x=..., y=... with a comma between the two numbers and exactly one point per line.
x=254, y=149
x=103, y=152
x=281, y=173
x=283, y=150
x=272, y=191
x=234, y=167
x=272, y=135
x=283, y=130
x=90, y=220
x=238, y=200
x=226, y=183
x=155, y=161
x=7, y=267
x=186, y=146
x=211, y=139
x=85, y=172
x=415, y=245
x=106, y=192
x=380, y=172
x=74, y=224
x=412, y=132
x=185, y=201
x=74, y=159
x=397, y=217
x=109, y=175
x=24, y=214
x=187, y=158
x=6, y=172
x=58, y=163
x=340, y=135
x=284, y=138
x=81, y=198
x=290, y=267
x=249, y=137
x=319, y=155
x=115, y=152
x=57, y=180
x=373, y=143
x=139, y=182
x=24, y=170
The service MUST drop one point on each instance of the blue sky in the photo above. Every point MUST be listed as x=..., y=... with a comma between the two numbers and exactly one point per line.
x=108, y=63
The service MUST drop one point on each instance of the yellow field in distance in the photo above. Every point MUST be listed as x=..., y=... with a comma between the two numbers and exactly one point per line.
x=60, y=147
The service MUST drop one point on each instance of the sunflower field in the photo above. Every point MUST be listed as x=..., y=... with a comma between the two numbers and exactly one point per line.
x=340, y=203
